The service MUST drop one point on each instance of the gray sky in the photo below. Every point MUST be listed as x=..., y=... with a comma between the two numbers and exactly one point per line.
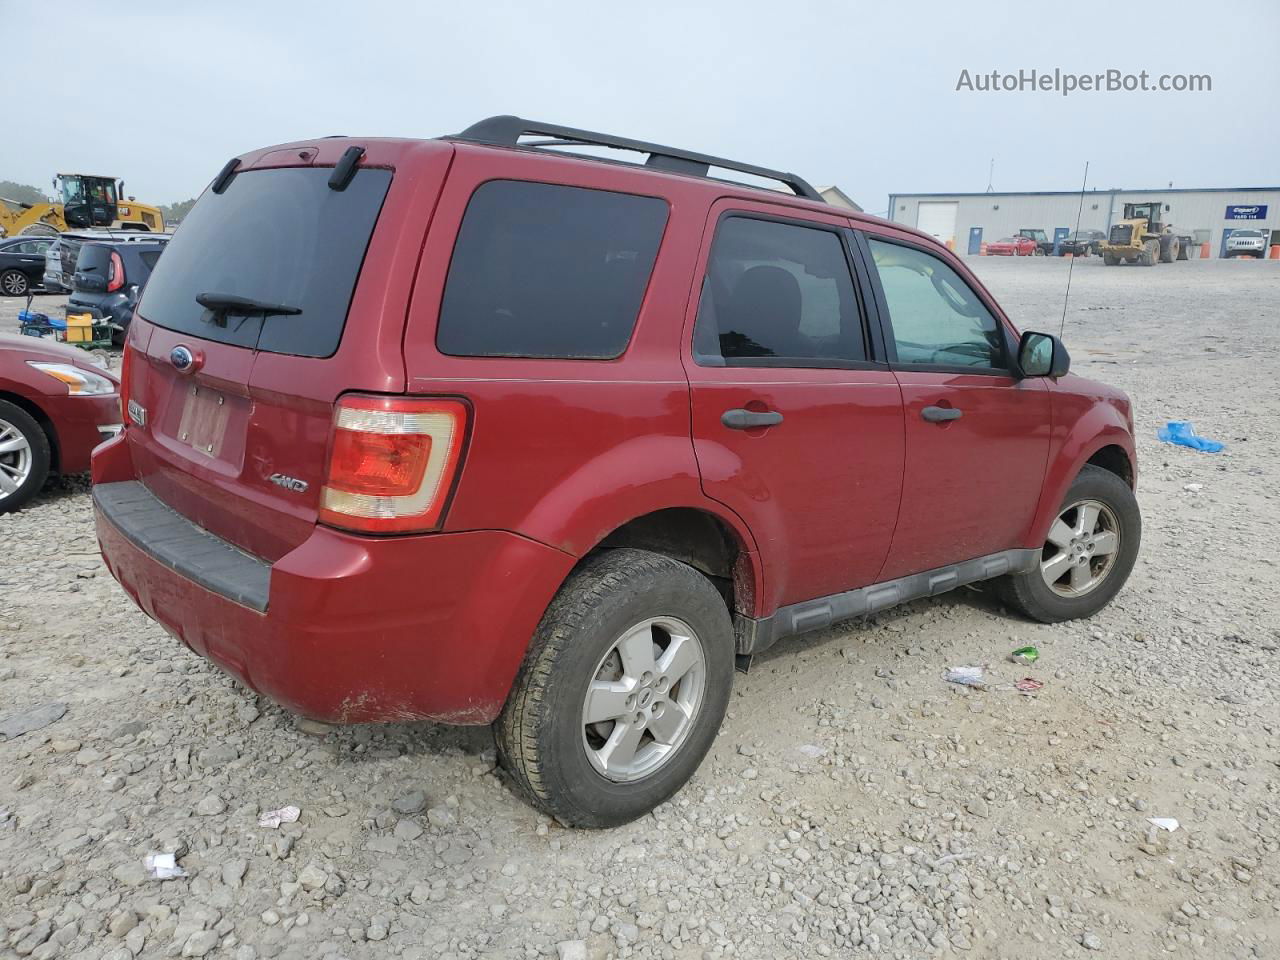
x=858, y=94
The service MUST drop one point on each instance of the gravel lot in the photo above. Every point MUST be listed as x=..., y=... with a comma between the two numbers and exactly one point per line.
x=855, y=803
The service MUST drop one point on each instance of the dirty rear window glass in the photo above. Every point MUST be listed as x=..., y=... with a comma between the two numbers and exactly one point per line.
x=273, y=236
x=542, y=270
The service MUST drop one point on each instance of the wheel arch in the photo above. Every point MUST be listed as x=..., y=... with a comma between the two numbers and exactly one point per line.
x=39, y=416
x=702, y=538
x=1100, y=438
x=1115, y=459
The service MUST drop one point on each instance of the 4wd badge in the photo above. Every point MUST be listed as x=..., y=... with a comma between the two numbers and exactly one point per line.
x=292, y=484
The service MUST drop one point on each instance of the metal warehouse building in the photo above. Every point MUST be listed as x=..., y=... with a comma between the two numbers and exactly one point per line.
x=965, y=221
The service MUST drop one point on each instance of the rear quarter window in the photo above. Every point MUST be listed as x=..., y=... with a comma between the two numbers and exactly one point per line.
x=548, y=271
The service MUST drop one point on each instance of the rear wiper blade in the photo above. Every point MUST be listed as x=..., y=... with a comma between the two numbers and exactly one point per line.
x=223, y=303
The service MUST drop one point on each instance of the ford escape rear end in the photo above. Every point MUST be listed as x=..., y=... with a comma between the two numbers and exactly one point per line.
x=475, y=431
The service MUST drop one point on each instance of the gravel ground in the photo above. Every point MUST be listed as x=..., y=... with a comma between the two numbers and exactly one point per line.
x=854, y=804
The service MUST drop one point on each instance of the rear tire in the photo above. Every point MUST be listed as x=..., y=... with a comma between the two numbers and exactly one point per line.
x=564, y=765
x=14, y=283
x=24, y=457
x=1118, y=516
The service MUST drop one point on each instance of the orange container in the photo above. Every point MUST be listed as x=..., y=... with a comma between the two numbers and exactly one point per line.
x=1275, y=251
x=79, y=328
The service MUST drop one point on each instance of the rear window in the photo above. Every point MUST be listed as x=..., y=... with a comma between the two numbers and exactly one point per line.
x=541, y=270
x=273, y=236
x=93, y=257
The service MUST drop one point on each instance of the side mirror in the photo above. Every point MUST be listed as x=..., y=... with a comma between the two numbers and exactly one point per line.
x=1042, y=355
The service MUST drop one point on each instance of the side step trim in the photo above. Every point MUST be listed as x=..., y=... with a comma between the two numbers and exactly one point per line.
x=173, y=540
x=753, y=636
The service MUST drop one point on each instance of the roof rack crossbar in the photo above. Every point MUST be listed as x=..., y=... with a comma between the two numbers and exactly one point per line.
x=506, y=131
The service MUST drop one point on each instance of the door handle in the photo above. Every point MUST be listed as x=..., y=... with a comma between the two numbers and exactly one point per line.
x=746, y=419
x=940, y=414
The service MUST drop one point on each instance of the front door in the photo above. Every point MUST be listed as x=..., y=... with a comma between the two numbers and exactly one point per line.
x=797, y=420
x=977, y=436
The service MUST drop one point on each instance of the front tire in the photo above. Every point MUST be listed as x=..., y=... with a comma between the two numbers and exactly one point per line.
x=1088, y=556
x=24, y=457
x=622, y=692
x=14, y=283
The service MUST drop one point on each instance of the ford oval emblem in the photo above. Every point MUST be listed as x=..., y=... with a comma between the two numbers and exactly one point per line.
x=183, y=359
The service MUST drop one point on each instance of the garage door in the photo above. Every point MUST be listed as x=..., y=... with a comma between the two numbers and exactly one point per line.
x=938, y=220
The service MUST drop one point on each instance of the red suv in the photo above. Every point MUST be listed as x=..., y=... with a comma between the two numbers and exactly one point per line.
x=481, y=430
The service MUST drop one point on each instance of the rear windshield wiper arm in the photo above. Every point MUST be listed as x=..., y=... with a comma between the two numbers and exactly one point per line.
x=224, y=303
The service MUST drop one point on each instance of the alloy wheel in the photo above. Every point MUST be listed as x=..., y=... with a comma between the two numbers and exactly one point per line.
x=14, y=283
x=644, y=699
x=1080, y=553
x=15, y=459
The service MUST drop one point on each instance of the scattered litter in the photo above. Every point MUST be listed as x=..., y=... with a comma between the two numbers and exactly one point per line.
x=1028, y=685
x=966, y=677
x=811, y=750
x=1164, y=823
x=16, y=724
x=273, y=818
x=163, y=866
x=1193, y=487
x=1025, y=656
x=1182, y=433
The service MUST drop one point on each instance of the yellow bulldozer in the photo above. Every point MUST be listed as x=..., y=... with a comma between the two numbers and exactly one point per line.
x=84, y=201
x=1143, y=237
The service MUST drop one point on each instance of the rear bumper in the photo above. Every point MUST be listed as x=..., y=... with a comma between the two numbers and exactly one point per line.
x=357, y=629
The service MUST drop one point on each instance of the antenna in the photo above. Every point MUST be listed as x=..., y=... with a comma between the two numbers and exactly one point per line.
x=991, y=174
x=1071, y=267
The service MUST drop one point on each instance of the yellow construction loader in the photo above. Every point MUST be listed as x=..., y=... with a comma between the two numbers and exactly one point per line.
x=1142, y=237
x=84, y=201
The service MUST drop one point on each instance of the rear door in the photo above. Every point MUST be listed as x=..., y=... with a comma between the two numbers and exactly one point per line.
x=239, y=402
x=797, y=421
x=977, y=437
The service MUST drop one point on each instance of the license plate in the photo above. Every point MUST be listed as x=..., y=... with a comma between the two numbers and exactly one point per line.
x=204, y=420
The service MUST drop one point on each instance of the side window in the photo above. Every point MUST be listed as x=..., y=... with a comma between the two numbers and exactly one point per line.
x=936, y=318
x=542, y=270
x=777, y=294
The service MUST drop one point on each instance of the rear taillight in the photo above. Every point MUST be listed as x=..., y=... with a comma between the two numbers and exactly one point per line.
x=115, y=273
x=392, y=463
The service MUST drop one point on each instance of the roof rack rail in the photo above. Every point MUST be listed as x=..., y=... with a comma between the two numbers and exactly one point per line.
x=506, y=131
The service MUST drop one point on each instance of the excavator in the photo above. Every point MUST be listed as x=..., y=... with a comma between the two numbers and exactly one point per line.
x=84, y=202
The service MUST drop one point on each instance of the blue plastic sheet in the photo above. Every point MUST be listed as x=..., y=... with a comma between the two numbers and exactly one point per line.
x=1184, y=435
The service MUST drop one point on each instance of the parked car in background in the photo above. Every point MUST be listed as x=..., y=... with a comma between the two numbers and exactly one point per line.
x=1012, y=247
x=1082, y=243
x=1247, y=243
x=109, y=278
x=60, y=258
x=55, y=407
x=1044, y=246
x=736, y=414
x=22, y=264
